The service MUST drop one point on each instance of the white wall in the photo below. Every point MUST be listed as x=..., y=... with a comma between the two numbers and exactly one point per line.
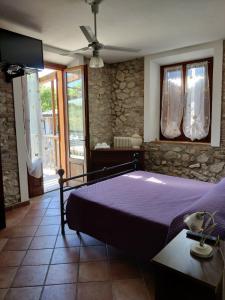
x=21, y=148
x=152, y=85
x=77, y=61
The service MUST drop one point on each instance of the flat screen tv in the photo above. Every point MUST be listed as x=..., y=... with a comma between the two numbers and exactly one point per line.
x=18, y=49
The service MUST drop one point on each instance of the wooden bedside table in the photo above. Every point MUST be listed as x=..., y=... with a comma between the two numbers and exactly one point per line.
x=179, y=275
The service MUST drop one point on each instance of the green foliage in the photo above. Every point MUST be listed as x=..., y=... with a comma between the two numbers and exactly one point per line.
x=75, y=91
x=46, y=98
x=75, y=118
x=75, y=111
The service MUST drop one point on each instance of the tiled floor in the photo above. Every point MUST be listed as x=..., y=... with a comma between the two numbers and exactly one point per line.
x=37, y=262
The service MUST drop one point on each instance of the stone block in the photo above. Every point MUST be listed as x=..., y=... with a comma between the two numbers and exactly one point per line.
x=217, y=167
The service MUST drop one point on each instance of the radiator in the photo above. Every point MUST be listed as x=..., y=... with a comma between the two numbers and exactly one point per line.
x=122, y=142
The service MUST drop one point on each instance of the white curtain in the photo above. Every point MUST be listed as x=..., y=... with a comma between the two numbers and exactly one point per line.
x=196, y=119
x=32, y=123
x=172, y=102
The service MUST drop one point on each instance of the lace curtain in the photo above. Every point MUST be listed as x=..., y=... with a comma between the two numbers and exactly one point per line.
x=32, y=123
x=196, y=119
x=172, y=102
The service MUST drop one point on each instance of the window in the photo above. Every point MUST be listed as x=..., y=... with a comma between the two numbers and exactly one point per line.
x=186, y=93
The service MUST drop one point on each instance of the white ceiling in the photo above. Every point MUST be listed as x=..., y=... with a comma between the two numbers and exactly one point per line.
x=150, y=25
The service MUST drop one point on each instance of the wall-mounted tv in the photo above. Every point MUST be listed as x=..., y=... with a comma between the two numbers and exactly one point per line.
x=18, y=49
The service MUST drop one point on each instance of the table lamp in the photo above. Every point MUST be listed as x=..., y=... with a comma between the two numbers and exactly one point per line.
x=196, y=223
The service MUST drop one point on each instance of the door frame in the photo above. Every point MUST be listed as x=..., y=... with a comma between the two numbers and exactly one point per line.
x=84, y=70
x=61, y=112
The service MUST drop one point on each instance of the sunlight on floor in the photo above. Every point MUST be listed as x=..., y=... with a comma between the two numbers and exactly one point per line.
x=50, y=180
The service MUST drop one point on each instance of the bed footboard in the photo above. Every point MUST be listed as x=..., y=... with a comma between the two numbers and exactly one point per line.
x=131, y=166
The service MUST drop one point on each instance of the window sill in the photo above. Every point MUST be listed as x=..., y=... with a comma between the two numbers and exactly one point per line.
x=180, y=142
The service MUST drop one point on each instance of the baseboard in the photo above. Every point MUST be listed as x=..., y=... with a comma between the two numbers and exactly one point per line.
x=17, y=205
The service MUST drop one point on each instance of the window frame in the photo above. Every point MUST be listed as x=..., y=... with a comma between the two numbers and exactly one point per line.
x=182, y=137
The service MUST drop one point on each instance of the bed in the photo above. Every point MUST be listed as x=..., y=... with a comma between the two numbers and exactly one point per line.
x=139, y=211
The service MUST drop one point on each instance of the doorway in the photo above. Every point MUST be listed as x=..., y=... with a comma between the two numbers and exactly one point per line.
x=64, y=119
x=48, y=88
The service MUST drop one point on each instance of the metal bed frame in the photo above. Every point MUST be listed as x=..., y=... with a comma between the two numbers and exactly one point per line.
x=134, y=165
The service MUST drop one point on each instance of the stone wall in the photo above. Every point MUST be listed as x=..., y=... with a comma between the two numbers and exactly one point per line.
x=128, y=98
x=116, y=101
x=201, y=162
x=8, y=144
x=100, y=113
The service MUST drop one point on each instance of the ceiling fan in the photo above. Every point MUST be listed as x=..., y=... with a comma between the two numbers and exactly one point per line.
x=96, y=61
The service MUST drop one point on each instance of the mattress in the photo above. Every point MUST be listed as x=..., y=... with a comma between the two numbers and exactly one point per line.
x=133, y=211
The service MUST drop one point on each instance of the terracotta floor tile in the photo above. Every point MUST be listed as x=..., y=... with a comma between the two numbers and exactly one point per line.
x=37, y=257
x=3, y=242
x=54, y=195
x=7, y=275
x=23, y=231
x=43, y=199
x=59, y=292
x=46, y=197
x=47, y=230
x=53, y=212
x=3, y=293
x=67, y=241
x=124, y=270
x=20, y=243
x=39, y=204
x=51, y=220
x=87, y=240
x=16, y=215
x=132, y=289
x=54, y=204
x=65, y=255
x=30, y=276
x=36, y=213
x=94, y=291
x=43, y=242
x=27, y=293
x=91, y=253
x=68, y=231
x=11, y=258
x=93, y=271
x=62, y=273
x=27, y=221
x=5, y=233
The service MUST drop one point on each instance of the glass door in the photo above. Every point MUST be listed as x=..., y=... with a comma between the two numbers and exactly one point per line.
x=76, y=116
x=50, y=129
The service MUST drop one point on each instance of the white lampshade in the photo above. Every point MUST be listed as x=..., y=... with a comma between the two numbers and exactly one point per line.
x=195, y=221
x=96, y=62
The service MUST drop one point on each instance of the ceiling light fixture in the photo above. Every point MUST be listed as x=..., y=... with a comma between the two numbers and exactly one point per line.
x=96, y=61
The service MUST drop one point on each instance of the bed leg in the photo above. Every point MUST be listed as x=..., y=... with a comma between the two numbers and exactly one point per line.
x=61, y=182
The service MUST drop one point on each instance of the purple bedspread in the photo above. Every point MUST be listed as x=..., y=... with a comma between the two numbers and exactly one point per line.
x=135, y=211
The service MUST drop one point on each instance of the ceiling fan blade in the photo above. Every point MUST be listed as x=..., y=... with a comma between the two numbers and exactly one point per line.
x=122, y=49
x=63, y=52
x=53, y=49
x=88, y=33
x=76, y=51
